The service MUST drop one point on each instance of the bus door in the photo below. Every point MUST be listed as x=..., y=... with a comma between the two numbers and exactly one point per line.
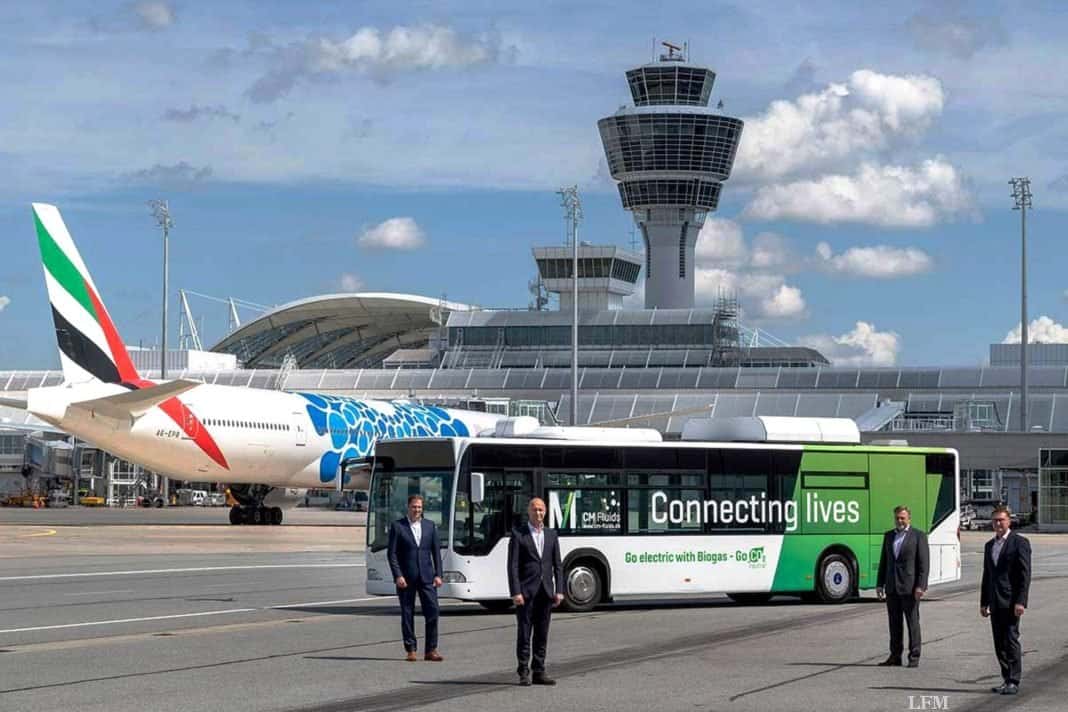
x=940, y=525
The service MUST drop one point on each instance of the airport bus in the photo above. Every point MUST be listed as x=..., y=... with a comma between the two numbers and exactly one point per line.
x=749, y=507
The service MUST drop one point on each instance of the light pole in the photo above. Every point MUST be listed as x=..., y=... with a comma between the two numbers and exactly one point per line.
x=162, y=213
x=569, y=199
x=1021, y=195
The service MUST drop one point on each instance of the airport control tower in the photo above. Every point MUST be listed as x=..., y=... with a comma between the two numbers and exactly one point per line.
x=670, y=153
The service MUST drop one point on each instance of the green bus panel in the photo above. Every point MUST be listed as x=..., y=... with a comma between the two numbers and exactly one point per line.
x=897, y=479
x=934, y=484
x=837, y=481
x=800, y=553
x=834, y=511
x=833, y=461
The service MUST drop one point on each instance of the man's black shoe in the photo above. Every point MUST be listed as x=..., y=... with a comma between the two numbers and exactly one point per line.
x=543, y=679
x=914, y=663
x=1010, y=689
x=1000, y=688
x=524, y=680
x=891, y=662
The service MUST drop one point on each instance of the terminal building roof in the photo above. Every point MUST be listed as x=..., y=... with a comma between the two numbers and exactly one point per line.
x=338, y=330
x=663, y=398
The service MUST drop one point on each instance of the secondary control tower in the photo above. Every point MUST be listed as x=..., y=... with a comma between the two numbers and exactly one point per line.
x=670, y=153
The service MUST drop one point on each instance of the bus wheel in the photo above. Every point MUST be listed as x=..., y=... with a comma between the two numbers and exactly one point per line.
x=498, y=605
x=749, y=598
x=835, y=583
x=582, y=587
x=236, y=516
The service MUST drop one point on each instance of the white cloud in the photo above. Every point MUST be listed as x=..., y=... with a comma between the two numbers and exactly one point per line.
x=879, y=262
x=370, y=50
x=177, y=175
x=828, y=129
x=784, y=302
x=155, y=14
x=726, y=265
x=770, y=251
x=4, y=301
x=863, y=346
x=1042, y=330
x=350, y=282
x=196, y=111
x=393, y=234
x=764, y=296
x=720, y=243
x=887, y=196
x=955, y=34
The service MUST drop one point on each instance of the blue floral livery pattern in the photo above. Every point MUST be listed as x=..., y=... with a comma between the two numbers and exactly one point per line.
x=354, y=426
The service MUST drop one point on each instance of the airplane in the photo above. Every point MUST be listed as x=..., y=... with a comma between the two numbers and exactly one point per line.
x=251, y=439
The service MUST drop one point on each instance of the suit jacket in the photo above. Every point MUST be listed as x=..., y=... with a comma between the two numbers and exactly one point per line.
x=527, y=572
x=1006, y=583
x=414, y=563
x=904, y=574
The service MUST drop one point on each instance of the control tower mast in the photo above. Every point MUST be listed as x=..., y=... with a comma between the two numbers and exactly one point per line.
x=670, y=153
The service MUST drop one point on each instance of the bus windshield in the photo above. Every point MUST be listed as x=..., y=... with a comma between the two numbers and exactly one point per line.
x=389, y=502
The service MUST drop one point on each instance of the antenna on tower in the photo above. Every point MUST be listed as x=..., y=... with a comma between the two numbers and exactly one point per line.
x=674, y=53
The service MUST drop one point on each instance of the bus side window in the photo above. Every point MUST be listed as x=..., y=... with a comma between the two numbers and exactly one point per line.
x=504, y=506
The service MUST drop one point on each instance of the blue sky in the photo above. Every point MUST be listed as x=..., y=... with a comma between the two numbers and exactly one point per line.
x=381, y=146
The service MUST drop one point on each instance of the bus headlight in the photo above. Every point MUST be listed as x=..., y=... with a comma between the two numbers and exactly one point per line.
x=453, y=577
x=373, y=575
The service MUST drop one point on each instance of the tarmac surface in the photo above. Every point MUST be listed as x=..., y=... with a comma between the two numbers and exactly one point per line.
x=276, y=618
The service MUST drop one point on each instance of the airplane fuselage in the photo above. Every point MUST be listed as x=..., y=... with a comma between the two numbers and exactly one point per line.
x=243, y=435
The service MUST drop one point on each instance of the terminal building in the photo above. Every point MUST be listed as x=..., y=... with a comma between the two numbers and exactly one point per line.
x=651, y=367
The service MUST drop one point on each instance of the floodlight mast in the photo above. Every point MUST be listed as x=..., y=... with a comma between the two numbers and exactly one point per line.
x=1021, y=195
x=569, y=199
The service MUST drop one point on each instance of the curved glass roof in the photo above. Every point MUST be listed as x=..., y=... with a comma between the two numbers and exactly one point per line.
x=338, y=330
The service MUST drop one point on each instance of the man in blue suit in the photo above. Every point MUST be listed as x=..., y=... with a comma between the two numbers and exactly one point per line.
x=536, y=583
x=1003, y=595
x=904, y=566
x=415, y=560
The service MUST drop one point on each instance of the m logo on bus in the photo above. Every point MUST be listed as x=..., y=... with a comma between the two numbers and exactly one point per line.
x=564, y=517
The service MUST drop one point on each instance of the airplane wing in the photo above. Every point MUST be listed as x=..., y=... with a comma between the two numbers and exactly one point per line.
x=134, y=404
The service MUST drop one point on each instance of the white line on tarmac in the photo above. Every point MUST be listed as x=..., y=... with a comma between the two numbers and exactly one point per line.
x=128, y=620
x=327, y=603
x=180, y=571
x=97, y=593
x=187, y=615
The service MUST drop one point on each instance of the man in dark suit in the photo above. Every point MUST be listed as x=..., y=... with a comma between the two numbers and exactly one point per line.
x=1003, y=595
x=415, y=560
x=902, y=581
x=536, y=583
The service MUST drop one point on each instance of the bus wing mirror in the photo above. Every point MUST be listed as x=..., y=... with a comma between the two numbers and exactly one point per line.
x=478, y=487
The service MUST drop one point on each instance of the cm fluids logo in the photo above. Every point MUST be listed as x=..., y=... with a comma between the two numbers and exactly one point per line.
x=584, y=510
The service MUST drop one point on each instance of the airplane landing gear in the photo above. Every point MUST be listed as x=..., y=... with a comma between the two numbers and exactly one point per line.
x=250, y=508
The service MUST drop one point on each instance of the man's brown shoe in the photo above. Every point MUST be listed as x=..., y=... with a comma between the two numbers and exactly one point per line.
x=411, y=656
x=433, y=656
